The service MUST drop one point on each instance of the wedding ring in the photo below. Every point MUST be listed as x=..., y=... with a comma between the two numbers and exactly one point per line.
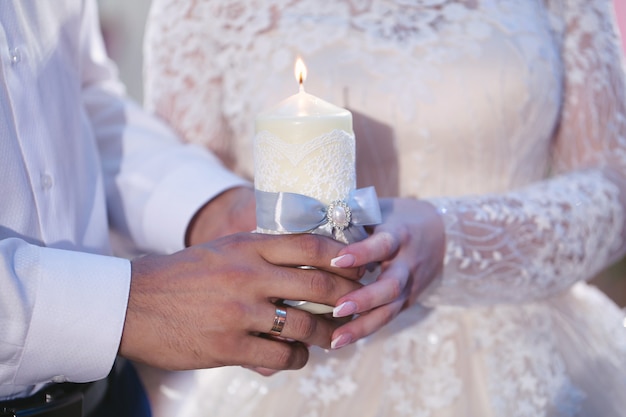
x=279, y=322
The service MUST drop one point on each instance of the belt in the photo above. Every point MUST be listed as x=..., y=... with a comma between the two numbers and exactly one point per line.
x=58, y=400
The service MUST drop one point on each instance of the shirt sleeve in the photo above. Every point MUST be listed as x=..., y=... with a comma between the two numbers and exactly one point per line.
x=63, y=311
x=51, y=292
x=154, y=182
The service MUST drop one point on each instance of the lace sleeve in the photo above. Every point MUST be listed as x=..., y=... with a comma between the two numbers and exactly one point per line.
x=535, y=242
x=189, y=99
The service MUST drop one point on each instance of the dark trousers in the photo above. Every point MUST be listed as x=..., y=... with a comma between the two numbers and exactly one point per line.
x=121, y=394
x=126, y=396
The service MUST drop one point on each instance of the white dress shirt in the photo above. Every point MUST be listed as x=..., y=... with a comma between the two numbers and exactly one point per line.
x=77, y=157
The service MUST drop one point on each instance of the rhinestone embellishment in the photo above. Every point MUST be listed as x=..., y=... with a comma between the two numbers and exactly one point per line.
x=339, y=215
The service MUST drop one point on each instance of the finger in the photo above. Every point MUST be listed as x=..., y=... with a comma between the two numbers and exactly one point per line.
x=260, y=352
x=304, y=249
x=297, y=325
x=380, y=246
x=365, y=325
x=306, y=284
x=390, y=285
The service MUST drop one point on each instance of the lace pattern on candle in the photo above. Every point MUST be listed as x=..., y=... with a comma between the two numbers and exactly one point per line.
x=310, y=168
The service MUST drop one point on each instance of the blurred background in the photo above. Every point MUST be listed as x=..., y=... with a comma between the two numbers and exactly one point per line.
x=123, y=23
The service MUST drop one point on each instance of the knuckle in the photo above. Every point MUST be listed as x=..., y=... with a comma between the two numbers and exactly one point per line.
x=284, y=357
x=231, y=315
x=312, y=246
x=304, y=327
x=387, y=242
x=320, y=283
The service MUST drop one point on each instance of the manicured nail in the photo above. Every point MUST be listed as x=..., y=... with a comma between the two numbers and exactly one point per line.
x=340, y=341
x=343, y=261
x=344, y=309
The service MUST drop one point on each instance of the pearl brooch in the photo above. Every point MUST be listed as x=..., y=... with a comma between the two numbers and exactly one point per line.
x=339, y=215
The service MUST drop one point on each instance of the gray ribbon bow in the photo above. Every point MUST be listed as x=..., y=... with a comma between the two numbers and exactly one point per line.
x=297, y=213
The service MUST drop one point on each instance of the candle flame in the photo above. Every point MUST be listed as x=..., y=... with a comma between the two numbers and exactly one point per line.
x=300, y=71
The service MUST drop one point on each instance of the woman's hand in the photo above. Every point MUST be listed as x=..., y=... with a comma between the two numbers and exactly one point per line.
x=410, y=246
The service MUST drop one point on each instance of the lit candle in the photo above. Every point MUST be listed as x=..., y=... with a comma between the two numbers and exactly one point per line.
x=305, y=178
x=305, y=145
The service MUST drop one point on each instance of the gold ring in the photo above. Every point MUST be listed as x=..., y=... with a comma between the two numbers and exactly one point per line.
x=279, y=322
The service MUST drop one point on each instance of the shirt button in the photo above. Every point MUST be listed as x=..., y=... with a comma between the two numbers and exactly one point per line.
x=46, y=181
x=16, y=55
x=59, y=379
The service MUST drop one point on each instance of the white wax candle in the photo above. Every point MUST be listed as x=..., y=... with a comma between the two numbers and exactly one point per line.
x=303, y=117
x=305, y=145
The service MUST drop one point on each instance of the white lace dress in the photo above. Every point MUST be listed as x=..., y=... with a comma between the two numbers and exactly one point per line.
x=509, y=115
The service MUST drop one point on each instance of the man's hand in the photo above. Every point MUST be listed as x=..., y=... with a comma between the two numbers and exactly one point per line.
x=230, y=212
x=213, y=304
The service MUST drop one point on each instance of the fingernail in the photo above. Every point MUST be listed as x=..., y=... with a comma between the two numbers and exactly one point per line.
x=344, y=309
x=343, y=261
x=340, y=341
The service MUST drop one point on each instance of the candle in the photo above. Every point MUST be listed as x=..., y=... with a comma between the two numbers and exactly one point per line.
x=305, y=177
x=305, y=145
x=303, y=116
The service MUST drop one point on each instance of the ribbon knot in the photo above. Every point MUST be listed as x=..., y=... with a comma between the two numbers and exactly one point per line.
x=297, y=213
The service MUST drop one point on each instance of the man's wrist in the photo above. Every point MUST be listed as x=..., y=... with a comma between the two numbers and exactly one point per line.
x=229, y=212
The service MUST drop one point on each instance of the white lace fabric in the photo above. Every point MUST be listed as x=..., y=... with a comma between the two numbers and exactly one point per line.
x=536, y=242
x=508, y=115
x=310, y=169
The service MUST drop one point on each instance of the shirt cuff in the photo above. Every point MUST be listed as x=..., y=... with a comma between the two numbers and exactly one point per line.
x=79, y=314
